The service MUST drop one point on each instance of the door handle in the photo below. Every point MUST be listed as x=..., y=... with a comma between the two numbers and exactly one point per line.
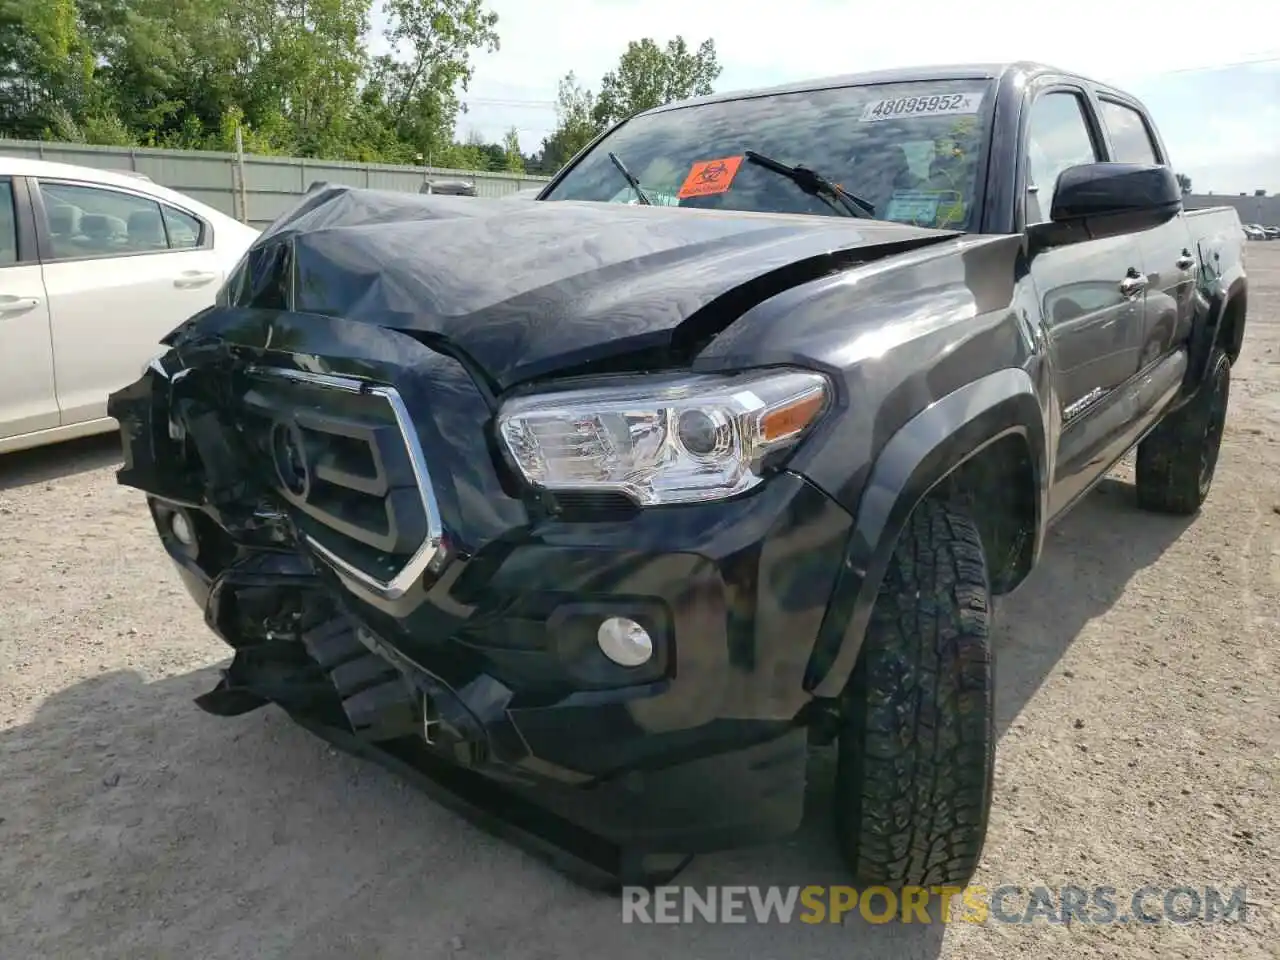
x=18, y=304
x=1186, y=261
x=194, y=278
x=1133, y=285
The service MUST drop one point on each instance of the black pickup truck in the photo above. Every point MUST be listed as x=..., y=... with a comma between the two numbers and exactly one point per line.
x=593, y=513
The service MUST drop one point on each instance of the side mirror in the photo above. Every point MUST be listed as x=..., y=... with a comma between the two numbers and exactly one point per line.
x=1094, y=201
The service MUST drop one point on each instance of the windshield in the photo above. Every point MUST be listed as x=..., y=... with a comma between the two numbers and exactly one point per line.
x=910, y=149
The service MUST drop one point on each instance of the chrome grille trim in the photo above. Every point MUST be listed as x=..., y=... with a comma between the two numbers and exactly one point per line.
x=412, y=572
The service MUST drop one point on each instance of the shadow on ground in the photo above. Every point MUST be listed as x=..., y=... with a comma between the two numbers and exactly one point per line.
x=66, y=459
x=135, y=825
x=1088, y=560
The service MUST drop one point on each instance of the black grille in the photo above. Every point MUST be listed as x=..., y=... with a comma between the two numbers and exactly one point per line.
x=337, y=453
x=591, y=505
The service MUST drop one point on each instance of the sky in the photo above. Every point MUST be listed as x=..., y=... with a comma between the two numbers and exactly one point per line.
x=1221, y=126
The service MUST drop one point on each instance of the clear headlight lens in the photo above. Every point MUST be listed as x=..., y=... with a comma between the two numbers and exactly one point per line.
x=662, y=439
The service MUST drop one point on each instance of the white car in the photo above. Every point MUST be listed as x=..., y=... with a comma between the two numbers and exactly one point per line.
x=95, y=267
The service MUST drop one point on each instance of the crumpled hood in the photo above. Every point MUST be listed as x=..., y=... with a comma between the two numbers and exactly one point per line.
x=528, y=289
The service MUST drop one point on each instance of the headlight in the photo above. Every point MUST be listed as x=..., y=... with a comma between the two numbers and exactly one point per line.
x=662, y=440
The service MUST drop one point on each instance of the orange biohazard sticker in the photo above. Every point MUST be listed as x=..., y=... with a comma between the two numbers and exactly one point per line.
x=709, y=177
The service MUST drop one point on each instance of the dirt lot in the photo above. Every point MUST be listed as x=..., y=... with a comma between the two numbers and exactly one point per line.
x=1139, y=720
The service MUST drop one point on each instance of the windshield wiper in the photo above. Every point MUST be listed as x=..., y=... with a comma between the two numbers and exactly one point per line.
x=630, y=178
x=813, y=182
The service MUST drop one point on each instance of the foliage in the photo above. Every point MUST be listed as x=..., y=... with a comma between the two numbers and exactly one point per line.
x=511, y=145
x=646, y=76
x=436, y=38
x=575, y=127
x=296, y=78
x=1185, y=183
x=294, y=75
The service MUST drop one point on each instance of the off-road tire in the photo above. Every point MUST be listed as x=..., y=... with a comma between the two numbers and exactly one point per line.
x=916, y=752
x=1177, y=460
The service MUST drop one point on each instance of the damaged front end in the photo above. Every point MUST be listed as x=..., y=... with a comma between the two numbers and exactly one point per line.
x=330, y=495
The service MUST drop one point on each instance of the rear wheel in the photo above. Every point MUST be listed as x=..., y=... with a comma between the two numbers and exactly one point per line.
x=1177, y=460
x=917, y=739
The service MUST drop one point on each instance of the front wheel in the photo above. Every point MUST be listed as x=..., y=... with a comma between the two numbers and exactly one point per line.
x=916, y=750
x=1177, y=460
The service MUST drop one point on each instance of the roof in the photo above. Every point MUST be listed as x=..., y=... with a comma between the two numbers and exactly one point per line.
x=138, y=183
x=972, y=71
x=26, y=167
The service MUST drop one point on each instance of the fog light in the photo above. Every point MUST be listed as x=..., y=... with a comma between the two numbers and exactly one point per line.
x=182, y=531
x=624, y=642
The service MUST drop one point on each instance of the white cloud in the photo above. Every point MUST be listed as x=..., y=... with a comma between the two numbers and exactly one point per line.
x=1230, y=138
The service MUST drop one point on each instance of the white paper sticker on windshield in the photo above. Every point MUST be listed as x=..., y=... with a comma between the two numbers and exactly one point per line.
x=937, y=105
x=657, y=198
x=913, y=206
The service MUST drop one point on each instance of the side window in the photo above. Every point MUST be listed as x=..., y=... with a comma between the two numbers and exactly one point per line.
x=1057, y=138
x=1130, y=139
x=97, y=222
x=8, y=225
x=185, y=231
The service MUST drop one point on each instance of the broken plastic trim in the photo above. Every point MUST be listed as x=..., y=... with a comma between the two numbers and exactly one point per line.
x=412, y=572
x=256, y=677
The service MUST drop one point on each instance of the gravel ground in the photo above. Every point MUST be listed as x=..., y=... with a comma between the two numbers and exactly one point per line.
x=1139, y=723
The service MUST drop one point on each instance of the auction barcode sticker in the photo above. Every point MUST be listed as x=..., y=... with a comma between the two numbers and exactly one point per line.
x=937, y=105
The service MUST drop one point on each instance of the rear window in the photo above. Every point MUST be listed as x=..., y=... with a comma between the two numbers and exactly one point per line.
x=184, y=230
x=1130, y=140
x=94, y=221
x=913, y=150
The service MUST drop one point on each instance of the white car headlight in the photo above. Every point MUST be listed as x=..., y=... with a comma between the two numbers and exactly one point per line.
x=673, y=439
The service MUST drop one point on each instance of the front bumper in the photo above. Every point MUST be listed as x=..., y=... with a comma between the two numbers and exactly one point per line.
x=708, y=754
x=487, y=664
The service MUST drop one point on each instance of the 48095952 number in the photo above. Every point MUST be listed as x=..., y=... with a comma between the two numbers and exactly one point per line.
x=936, y=105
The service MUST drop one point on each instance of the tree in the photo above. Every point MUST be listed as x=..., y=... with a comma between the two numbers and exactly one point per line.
x=422, y=90
x=576, y=124
x=292, y=75
x=1185, y=183
x=511, y=146
x=46, y=66
x=648, y=76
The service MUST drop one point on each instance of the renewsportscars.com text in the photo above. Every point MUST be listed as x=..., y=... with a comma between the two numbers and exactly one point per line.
x=1008, y=903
